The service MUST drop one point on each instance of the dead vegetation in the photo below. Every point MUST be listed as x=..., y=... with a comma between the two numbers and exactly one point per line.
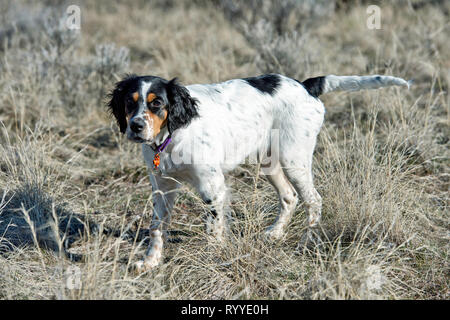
x=74, y=194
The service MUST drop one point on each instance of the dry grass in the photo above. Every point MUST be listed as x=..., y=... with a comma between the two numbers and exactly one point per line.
x=70, y=184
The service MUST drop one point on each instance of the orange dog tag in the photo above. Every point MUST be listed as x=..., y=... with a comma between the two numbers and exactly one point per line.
x=156, y=161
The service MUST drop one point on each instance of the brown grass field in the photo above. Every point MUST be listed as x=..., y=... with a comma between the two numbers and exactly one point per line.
x=75, y=199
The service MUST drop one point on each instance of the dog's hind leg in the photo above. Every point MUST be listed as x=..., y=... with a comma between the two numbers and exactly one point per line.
x=210, y=184
x=288, y=200
x=302, y=180
x=297, y=166
x=301, y=177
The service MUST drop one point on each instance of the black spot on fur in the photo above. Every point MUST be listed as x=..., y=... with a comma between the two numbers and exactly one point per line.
x=182, y=107
x=267, y=83
x=314, y=86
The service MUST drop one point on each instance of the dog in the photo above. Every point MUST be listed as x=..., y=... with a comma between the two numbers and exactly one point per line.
x=197, y=133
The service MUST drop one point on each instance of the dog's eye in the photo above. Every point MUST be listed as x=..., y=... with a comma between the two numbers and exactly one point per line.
x=156, y=103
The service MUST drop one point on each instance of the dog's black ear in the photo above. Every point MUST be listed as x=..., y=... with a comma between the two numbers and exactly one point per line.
x=116, y=103
x=182, y=107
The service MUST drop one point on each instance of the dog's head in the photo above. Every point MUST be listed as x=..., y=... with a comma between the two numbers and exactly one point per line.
x=144, y=105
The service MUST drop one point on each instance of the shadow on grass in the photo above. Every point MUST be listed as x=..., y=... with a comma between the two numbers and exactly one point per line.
x=30, y=217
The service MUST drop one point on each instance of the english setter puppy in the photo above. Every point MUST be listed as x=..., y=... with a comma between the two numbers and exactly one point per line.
x=197, y=133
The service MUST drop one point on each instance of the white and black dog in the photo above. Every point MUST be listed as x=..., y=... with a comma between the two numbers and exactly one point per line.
x=197, y=133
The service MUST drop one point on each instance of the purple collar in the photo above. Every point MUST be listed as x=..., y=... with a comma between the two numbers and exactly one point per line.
x=163, y=145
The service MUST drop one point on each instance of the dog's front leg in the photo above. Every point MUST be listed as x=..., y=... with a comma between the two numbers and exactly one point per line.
x=164, y=193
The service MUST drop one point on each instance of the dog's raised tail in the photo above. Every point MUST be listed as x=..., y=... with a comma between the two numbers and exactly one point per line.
x=321, y=85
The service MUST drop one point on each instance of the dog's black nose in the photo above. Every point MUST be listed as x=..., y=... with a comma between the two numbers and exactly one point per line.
x=137, y=125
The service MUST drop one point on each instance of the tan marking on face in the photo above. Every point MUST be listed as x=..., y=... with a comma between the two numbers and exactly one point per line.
x=157, y=121
x=128, y=116
x=136, y=96
x=151, y=97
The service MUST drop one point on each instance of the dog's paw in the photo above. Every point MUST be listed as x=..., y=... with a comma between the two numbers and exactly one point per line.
x=139, y=267
x=274, y=234
x=217, y=229
x=146, y=265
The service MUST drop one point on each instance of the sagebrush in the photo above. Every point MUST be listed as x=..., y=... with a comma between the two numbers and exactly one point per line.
x=74, y=193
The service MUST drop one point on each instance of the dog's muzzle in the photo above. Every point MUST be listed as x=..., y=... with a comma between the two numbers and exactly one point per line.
x=139, y=131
